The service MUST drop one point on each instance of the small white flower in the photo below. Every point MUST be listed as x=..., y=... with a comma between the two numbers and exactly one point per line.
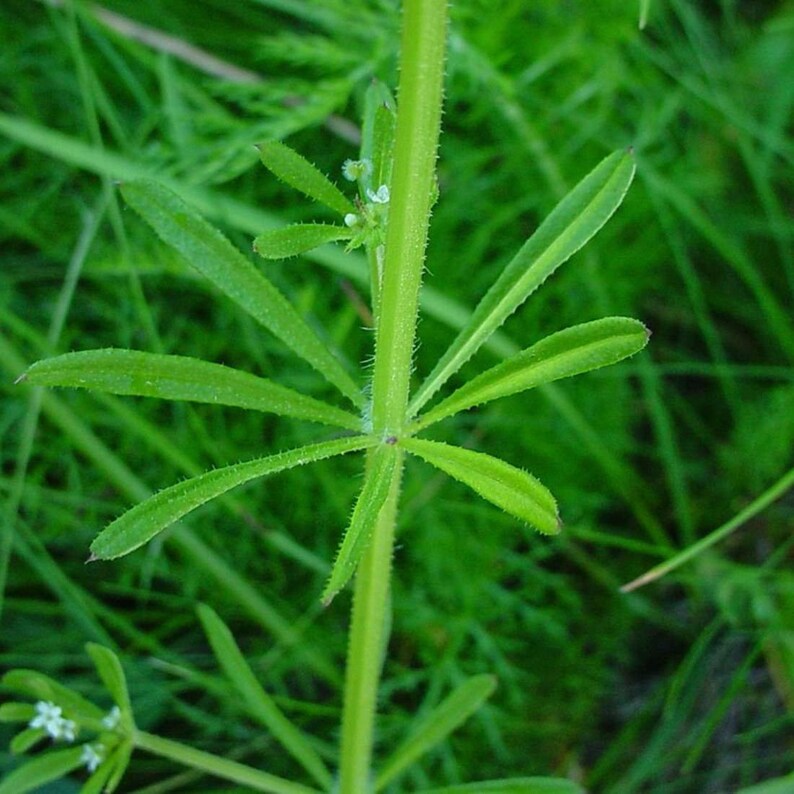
x=112, y=718
x=379, y=196
x=356, y=169
x=68, y=730
x=92, y=756
x=50, y=718
x=351, y=219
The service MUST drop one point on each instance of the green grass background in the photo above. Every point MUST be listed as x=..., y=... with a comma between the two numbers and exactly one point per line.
x=686, y=685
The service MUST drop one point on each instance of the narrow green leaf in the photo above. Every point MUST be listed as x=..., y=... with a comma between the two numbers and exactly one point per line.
x=42, y=770
x=96, y=783
x=145, y=520
x=381, y=469
x=571, y=224
x=41, y=687
x=377, y=132
x=514, y=490
x=298, y=172
x=26, y=739
x=17, y=712
x=134, y=372
x=118, y=760
x=569, y=352
x=257, y=701
x=519, y=785
x=111, y=672
x=209, y=252
x=437, y=725
x=645, y=8
x=294, y=240
x=778, y=785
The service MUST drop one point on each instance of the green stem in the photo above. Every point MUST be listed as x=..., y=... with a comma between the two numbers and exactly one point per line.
x=366, y=650
x=217, y=766
x=413, y=174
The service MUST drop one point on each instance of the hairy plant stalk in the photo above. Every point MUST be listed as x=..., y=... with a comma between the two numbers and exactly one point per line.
x=413, y=174
x=416, y=143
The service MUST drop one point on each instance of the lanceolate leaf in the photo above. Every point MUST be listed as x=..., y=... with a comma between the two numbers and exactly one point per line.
x=112, y=674
x=294, y=240
x=377, y=132
x=298, y=172
x=42, y=770
x=181, y=378
x=27, y=739
x=256, y=700
x=209, y=252
x=437, y=725
x=381, y=470
x=42, y=687
x=118, y=760
x=518, y=785
x=145, y=520
x=512, y=489
x=570, y=352
x=571, y=224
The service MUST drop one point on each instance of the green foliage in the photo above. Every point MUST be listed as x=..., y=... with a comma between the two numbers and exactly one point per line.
x=207, y=250
x=133, y=372
x=570, y=352
x=684, y=685
x=510, y=488
x=144, y=521
x=572, y=223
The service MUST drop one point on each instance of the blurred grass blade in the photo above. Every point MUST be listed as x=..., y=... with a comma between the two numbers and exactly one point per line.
x=519, y=785
x=41, y=687
x=209, y=252
x=140, y=524
x=645, y=7
x=297, y=239
x=381, y=470
x=298, y=172
x=771, y=494
x=514, y=490
x=257, y=701
x=571, y=224
x=42, y=770
x=437, y=725
x=572, y=351
x=134, y=372
x=780, y=785
x=111, y=672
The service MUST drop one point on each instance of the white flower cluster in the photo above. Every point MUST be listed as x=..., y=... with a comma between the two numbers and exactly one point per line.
x=50, y=718
x=92, y=756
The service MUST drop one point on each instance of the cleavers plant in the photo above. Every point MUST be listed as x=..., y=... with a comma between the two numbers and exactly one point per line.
x=396, y=188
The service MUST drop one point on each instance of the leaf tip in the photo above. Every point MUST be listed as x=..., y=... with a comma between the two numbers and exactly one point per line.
x=21, y=379
x=92, y=558
x=327, y=598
